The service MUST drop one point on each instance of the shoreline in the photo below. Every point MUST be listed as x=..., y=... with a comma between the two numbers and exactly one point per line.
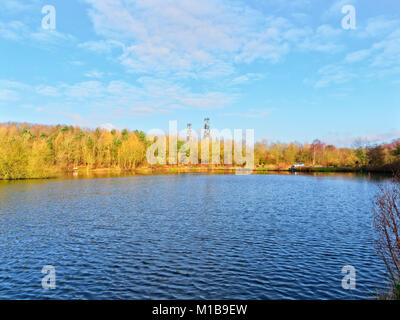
x=204, y=168
x=174, y=169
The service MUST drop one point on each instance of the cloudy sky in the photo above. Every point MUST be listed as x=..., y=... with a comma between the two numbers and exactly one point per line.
x=287, y=69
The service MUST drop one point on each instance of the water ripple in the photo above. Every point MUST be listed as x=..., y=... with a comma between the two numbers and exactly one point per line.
x=188, y=236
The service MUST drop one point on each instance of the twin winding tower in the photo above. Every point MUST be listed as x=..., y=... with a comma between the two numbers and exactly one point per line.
x=206, y=129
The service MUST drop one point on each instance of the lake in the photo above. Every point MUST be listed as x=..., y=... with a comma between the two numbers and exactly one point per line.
x=189, y=236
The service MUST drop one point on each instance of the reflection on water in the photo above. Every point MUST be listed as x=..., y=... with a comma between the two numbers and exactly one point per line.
x=207, y=236
x=115, y=174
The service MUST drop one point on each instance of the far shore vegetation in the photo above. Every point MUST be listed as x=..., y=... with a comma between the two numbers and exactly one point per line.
x=29, y=151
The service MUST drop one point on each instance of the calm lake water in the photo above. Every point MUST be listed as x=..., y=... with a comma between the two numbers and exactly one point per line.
x=189, y=236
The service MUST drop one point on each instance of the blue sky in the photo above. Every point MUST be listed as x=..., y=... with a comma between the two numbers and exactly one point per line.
x=287, y=69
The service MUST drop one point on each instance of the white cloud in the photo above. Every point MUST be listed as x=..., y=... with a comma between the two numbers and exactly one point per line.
x=335, y=10
x=108, y=126
x=387, y=51
x=191, y=38
x=94, y=74
x=246, y=78
x=101, y=46
x=378, y=26
x=333, y=74
x=324, y=39
x=118, y=98
x=209, y=100
x=11, y=90
x=83, y=90
x=368, y=139
x=19, y=31
x=357, y=56
x=384, y=53
x=11, y=30
x=17, y=6
x=47, y=91
x=50, y=36
x=8, y=95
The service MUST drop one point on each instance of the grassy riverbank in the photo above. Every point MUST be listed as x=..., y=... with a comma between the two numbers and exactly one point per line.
x=388, y=168
x=171, y=169
x=233, y=169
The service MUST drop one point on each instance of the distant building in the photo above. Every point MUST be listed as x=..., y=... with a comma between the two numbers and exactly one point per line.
x=296, y=165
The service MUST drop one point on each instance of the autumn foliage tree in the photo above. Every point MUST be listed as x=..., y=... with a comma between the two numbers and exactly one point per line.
x=36, y=151
x=387, y=225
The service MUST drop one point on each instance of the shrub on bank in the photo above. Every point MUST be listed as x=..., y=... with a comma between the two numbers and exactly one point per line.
x=387, y=226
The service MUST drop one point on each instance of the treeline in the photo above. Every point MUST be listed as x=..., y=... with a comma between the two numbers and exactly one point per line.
x=320, y=154
x=37, y=151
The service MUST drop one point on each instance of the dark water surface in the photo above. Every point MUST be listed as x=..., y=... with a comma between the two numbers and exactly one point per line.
x=189, y=236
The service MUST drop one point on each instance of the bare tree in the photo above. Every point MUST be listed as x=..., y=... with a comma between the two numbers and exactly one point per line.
x=387, y=225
